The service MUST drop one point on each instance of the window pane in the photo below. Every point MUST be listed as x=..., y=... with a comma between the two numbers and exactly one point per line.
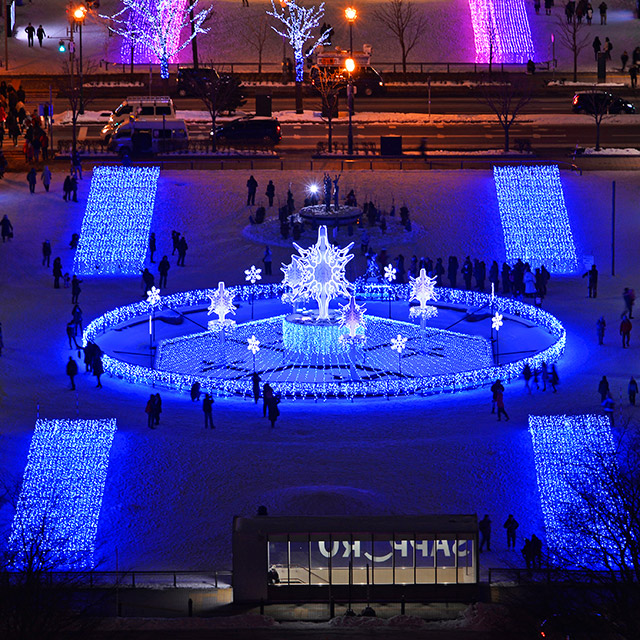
x=299, y=562
x=277, y=563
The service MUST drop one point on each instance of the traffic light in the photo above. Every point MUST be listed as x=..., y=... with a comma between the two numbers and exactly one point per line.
x=62, y=47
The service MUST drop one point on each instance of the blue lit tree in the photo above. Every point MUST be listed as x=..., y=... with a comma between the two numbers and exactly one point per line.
x=157, y=26
x=299, y=23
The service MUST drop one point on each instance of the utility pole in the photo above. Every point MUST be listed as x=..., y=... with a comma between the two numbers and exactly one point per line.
x=613, y=228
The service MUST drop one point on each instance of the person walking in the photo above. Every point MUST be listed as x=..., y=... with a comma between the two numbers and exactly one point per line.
x=148, y=281
x=629, y=297
x=175, y=241
x=31, y=31
x=46, y=253
x=536, y=551
x=157, y=409
x=149, y=411
x=603, y=388
x=500, y=405
x=255, y=381
x=182, y=251
x=452, y=271
x=624, y=58
x=589, y=13
x=195, y=392
x=152, y=246
x=608, y=405
x=71, y=335
x=57, y=273
x=98, y=369
x=592, y=274
x=32, y=178
x=484, y=526
x=547, y=7
x=73, y=183
x=267, y=260
x=272, y=410
x=554, y=378
x=603, y=12
x=527, y=554
x=45, y=176
x=601, y=325
x=267, y=394
x=66, y=189
x=511, y=525
x=72, y=371
x=527, y=375
x=252, y=187
x=270, y=192
x=608, y=48
x=633, y=75
x=545, y=375
x=495, y=388
x=625, y=331
x=632, y=390
x=597, y=45
x=40, y=34
x=6, y=228
x=75, y=289
x=207, y=408
x=163, y=270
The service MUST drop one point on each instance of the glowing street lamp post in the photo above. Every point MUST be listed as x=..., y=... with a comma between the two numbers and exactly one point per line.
x=350, y=14
x=496, y=323
x=252, y=275
x=390, y=276
x=153, y=299
x=350, y=66
x=283, y=4
x=253, y=345
x=79, y=14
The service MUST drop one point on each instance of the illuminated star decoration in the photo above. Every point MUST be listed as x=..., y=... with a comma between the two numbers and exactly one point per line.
x=323, y=271
x=496, y=321
x=221, y=304
x=423, y=288
x=253, y=344
x=352, y=317
x=390, y=273
x=153, y=296
x=293, y=279
x=398, y=344
x=252, y=274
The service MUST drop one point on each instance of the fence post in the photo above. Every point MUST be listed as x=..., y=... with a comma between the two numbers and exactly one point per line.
x=332, y=608
x=174, y=580
x=133, y=579
x=215, y=577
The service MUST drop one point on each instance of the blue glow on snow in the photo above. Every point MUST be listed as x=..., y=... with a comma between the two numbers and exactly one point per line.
x=383, y=385
x=61, y=495
x=575, y=457
x=534, y=217
x=117, y=221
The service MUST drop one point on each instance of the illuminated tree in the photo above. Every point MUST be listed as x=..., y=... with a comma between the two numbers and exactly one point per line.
x=158, y=26
x=299, y=23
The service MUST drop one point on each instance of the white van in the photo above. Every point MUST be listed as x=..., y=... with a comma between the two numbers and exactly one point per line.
x=139, y=108
x=149, y=136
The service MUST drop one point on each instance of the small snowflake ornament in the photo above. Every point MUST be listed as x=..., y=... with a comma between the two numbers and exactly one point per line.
x=390, y=273
x=496, y=321
x=153, y=296
x=253, y=344
x=253, y=274
x=398, y=344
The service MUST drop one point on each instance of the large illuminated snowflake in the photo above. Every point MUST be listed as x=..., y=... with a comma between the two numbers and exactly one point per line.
x=221, y=304
x=423, y=289
x=323, y=271
x=293, y=279
x=351, y=316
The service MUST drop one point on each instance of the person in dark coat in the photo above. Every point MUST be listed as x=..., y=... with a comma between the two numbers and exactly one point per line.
x=182, y=251
x=629, y=297
x=40, y=34
x=527, y=554
x=506, y=278
x=157, y=409
x=255, y=380
x=625, y=331
x=452, y=271
x=554, y=378
x=484, y=526
x=32, y=178
x=270, y=192
x=603, y=12
x=536, y=551
x=89, y=354
x=195, y=391
x=597, y=45
x=273, y=411
x=175, y=241
x=149, y=411
x=148, y=281
x=500, y=405
x=494, y=275
x=31, y=31
x=267, y=394
x=527, y=375
x=163, y=270
x=267, y=260
x=98, y=369
x=495, y=387
x=601, y=325
x=592, y=274
x=207, y=408
x=252, y=186
x=71, y=335
x=57, y=272
x=6, y=228
x=73, y=182
x=76, y=316
x=75, y=289
x=46, y=253
x=72, y=371
x=632, y=390
x=603, y=388
x=467, y=273
x=152, y=246
x=511, y=524
x=66, y=189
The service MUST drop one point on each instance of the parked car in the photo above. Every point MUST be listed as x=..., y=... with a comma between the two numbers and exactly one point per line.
x=252, y=129
x=149, y=136
x=600, y=102
x=138, y=107
x=190, y=77
x=367, y=80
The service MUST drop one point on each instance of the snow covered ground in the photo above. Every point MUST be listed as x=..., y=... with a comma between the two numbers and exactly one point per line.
x=449, y=37
x=171, y=493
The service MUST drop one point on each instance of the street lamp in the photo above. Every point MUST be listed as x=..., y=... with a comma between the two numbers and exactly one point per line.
x=283, y=4
x=350, y=14
x=79, y=14
x=350, y=66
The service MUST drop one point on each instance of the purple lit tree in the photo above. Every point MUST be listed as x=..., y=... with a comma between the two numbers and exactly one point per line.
x=157, y=26
x=298, y=26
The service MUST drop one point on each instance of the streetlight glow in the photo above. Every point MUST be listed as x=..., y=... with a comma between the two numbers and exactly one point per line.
x=350, y=65
x=350, y=14
x=79, y=13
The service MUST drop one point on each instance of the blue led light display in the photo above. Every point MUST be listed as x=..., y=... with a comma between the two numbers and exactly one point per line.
x=573, y=455
x=61, y=495
x=534, y=217
x=410, y=382
x=117, y=221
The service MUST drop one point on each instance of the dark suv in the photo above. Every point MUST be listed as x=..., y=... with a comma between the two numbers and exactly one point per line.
x=596, y=102
x=189, y=78
x=252, y=129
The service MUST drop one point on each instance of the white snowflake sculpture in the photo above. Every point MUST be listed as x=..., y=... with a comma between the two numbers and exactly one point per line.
x=253, y=344
x=293, y=278
x=352, y=317
x=153, y=296
x=390, y=273
x=398, y=344
x=423, y=288
x=496, y=321
x=221, y=304
x=323, y=272
x=253, y=274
